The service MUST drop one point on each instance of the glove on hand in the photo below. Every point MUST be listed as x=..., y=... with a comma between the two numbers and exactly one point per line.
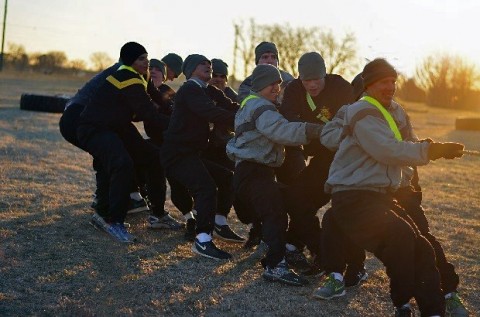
x=449, y=150
x=313, y=130
x=216, y=94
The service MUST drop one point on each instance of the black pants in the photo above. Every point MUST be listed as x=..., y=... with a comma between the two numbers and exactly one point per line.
x=68, y=128
x=209, y=184
x=338, y=249
x=368, y=219
x=255, y=186
x=307, y=196
x=119, y=151
x=411, y=201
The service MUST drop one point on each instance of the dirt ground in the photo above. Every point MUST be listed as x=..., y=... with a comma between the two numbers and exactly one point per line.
x=53, y=263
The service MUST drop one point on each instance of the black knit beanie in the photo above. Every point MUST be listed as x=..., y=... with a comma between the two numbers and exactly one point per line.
x=130, y=52
x=265, y=47
x=191, y=62
x=377, y=69
x=265, y=75
x=219, y=67
x=175, y=62
x=311, y=66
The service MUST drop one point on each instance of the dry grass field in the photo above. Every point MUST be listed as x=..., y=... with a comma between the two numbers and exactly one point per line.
x=53, y=263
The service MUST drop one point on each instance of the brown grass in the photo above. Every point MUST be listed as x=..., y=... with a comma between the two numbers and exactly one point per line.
x=53, y=263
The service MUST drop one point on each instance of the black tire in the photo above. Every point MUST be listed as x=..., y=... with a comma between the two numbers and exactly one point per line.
x=43, y=103
x=467, y=124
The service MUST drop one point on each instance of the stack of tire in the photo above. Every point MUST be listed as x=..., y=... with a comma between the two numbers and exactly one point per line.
x=465, y=123
x=43, y=103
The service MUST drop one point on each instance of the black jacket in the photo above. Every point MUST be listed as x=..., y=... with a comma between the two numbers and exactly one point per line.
x=121, y=99
x=195, y=107
x=294, y=107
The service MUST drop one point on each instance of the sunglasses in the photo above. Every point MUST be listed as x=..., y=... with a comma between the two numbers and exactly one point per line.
x=218, y=76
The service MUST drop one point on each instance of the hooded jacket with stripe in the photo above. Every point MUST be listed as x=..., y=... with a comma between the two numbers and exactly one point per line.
x=368, y=156
x=265, y=142
x=115, y=105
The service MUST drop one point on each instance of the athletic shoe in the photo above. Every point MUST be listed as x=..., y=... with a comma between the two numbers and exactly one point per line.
x=98, y=222
x=137, y=206
x=281, y=273
x=164, y=222
x=330, y=288
x=118, y=231
x=190, y=233
x=454, y=306
x=314, y=271
x=404, y=311
x=297, y=260
x=355, y=278
x=254, y=238
x=226, y=233
x=209, y=250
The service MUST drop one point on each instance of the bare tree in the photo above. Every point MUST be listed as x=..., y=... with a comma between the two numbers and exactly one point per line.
x=245, y=39
x=100, y=60
x=17, y=56
x=77, y=65
x=340, y=55
x=449, y=81
x=49, y=62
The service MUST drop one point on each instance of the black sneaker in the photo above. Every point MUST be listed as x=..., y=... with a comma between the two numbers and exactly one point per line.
x=137, y=206
x=281, y=273
x=355, y=277
x=254, y=238
x=209, y=250
x=226, y=233
x=297, y=260
x=404, y=311
x=190, y=230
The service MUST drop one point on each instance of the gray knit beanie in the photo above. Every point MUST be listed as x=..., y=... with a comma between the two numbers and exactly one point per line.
x=191, y=62
x=175, y=63
x=265, y=75
x=377, y=69
x=265, y=47
x=158, y=64
x=219, y=67
x=311, y=66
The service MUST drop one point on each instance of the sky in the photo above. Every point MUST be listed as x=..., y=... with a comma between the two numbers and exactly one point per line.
x=405, y=32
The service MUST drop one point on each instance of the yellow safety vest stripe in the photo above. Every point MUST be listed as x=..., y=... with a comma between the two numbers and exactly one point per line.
x=313, y=107
x=128, y=82
x=244, y=101
x=388, y=117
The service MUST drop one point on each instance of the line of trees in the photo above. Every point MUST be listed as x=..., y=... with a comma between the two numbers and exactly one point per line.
x=440, y=80
x=51, y=62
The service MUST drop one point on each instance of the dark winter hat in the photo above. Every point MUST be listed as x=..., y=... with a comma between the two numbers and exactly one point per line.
x=377, y=69
x=130, y=52
x=357, y=84
x=219, y=67
x=311, y=66
x=158, y=64
x=191, y=62
x=175, y=62
x=265, y=75
x=265, y=47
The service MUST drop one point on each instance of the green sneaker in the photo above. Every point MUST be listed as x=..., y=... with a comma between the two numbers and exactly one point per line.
x=454, y=306
x=330, y=288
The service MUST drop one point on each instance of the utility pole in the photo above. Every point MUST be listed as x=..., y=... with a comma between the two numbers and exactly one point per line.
x=3, y=35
